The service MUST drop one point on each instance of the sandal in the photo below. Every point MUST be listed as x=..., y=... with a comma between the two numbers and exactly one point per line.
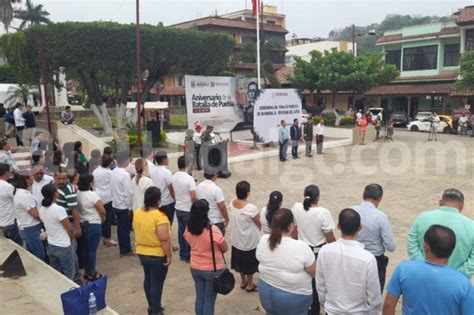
x=253, y=289
x=92, y=278
x=243, y=286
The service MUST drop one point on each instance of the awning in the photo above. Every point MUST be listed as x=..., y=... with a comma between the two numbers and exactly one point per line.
x=411, y=89
x=149, y=105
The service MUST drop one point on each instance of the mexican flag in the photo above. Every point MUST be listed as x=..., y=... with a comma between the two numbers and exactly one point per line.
x=255, y=7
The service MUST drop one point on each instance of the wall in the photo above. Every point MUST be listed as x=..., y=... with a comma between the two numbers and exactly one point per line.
x=73, y=133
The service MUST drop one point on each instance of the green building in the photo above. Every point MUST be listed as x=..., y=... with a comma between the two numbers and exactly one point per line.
x=428, y=59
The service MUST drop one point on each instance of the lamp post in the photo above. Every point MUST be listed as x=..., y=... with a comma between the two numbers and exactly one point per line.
x=138, y=75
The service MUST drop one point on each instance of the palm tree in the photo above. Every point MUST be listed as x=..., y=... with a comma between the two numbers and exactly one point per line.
x=20, y=93
x=32, y=14
x=6, y=12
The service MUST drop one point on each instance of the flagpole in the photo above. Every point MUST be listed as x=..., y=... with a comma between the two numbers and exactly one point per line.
x=258, y=44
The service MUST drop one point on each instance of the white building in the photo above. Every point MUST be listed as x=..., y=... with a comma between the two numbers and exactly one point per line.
x=304, y=50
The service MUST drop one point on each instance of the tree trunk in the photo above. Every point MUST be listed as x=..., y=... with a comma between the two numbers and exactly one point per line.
x=334, y=94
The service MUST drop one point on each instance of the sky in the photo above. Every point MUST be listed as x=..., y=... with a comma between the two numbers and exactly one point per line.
x=305, y=18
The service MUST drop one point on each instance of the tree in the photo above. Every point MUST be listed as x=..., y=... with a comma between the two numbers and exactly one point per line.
x=466, y=72
x=6, y=12
x=20, y=92
x=32, y=15
x=268, y=73
x=101, y=55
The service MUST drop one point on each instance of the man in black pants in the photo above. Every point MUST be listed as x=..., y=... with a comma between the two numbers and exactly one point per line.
x=295, y=135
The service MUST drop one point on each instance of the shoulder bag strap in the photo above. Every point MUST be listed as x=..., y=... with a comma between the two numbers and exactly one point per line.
x=212, y=248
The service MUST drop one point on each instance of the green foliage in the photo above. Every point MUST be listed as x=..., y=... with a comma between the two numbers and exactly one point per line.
x=32, y=15
x=338, y=71
x=347, y=121
x=6, y=12
x=7, y=75
x=268, y=73
x=466, y=71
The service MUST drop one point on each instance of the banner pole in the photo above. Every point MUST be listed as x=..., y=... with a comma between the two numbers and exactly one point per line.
x=258, y=43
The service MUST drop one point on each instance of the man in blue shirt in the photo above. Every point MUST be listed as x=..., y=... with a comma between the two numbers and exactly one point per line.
x=431, y=286
x=283, y=140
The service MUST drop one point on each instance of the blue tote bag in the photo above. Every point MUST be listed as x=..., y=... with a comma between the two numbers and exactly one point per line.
x=76, y=301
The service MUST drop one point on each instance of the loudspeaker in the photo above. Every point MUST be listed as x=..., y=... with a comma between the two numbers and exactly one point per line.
x=215, y=157
x=154, y=128
x=386, y=114
x=13, y=267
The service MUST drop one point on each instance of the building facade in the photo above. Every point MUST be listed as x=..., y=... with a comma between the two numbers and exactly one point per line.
x=303, y=50
x=241, y=26
x=428, y=59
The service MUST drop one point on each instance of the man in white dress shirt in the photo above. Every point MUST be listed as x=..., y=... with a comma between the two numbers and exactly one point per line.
x=161, y=177
x=346, y=274
x=214, y=195
x=40, y=179
x=121, y=184
x=320, y=137
x=19, y=124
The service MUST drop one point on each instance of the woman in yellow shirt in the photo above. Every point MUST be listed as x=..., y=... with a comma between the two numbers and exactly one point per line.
x=153, y=246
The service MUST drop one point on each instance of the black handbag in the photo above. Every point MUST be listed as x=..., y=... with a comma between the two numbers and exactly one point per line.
x=225, y=282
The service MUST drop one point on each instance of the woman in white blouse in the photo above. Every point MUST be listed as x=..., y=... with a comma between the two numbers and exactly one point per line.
x=315, y=227
x=140, y=183
x=27, y=215
x=286, y=268
x=245, y=220
x=274, y=203
x=92, y=214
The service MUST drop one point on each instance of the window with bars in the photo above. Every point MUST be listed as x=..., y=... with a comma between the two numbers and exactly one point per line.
x=469, y=39
x=451, y=55
x=420, y=58
x=394, y=57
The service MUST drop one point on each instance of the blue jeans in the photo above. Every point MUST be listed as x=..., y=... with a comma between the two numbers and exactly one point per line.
x=184, y=249
x=279, y=302
x=107, y=225
x=283, y=150
x=11, y=232
x=62, y=259
x=169, y=210
x=31, y=236
x=294, y=148
x=155, y=275
x=205, y=293
x=123, y=231
x=91, y=234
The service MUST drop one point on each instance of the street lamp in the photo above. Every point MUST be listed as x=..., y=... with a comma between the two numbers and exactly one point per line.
x=138, y=75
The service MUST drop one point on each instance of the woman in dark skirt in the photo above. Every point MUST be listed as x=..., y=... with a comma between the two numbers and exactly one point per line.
x=245, y=236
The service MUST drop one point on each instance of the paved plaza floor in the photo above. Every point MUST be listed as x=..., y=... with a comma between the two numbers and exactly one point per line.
x=412, y=171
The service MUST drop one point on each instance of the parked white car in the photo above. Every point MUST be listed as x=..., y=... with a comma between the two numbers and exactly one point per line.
x=422, y=115
x=425, y=123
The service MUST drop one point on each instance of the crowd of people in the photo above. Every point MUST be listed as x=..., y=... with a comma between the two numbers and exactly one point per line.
x=62, y=210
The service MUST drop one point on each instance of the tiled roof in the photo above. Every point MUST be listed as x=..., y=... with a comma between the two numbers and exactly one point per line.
x=444, y=76
x=172, y=91
x=412, y=89
x=466, y=16
x=399, y=37
x=228, y=23
x=283, y=73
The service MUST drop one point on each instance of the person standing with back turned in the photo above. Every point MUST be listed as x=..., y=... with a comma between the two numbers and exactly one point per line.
x=376, y=233
x=283, y=141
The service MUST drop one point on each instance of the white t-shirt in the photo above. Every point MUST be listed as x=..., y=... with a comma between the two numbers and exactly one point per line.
x=151, y=165
x=213, y=194
x=52, y=217
x=197, y=137
x=37, y=186
x=7, y=212
x=312, y=224
x=183, y=185
x=283, y=267
x=121, y=187
x=138, y=191
x=102, y=178
x=161, y=177
x=87, y=210
x=263, y=220
x=245, y=233
x=24, y=201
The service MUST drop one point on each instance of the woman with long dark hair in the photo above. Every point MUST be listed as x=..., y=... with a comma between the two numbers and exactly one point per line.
x=245, y=233
x=60, y=232
x=266, y=214
x=27, y=215
x=92, y=214
x=197, y=234
x=82, y=157
x=153, y=246
x=315, y=227
x=286, y=267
